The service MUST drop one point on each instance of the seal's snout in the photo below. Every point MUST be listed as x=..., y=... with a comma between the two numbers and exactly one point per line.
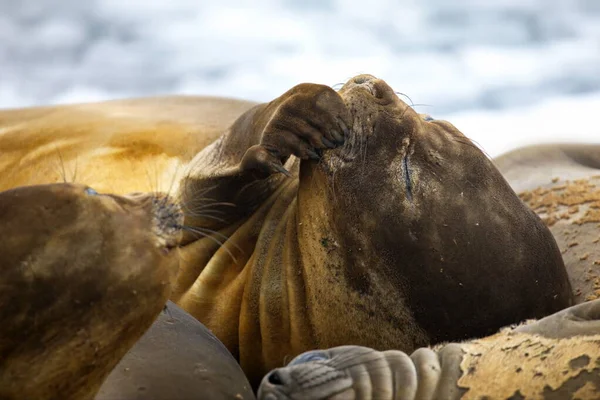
x=273, y=385
x=308, y=380
x=275, y=378
x=376, y=87
x=364, y=78
x=168, y=221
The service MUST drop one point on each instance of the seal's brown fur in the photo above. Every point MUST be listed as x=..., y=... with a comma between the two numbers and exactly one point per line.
x=82, y=277
x=121, y=146
x=387, y=241
x=389, y=231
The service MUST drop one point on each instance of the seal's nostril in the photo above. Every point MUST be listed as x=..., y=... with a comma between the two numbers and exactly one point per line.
x=274, y=378
x=359, y=80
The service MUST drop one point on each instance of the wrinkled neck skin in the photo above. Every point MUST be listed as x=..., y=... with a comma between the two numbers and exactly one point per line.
x=286, y=260
x=240, y=258
x=351, y=298
x=290, y=271
x=397, y=239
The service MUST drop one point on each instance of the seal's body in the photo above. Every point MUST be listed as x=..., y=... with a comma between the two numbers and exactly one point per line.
x=350, y=218
x=177, y=358
x=554, y=358
x=83, y=275
x=561, y=183
x=398, y=231
x=121, y=146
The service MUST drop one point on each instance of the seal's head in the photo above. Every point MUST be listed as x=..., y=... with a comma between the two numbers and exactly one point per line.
x=410, y=209
x=83, y=276
x=340, y=373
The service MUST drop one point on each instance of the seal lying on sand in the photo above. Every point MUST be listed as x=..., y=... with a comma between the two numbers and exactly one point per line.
x=391, y=228
x=83, y=276
x=177, y=358
x=385, y=241
x=561, y=183
x=554, y=358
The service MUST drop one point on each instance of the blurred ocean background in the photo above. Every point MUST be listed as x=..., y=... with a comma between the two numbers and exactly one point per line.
x=505, y=72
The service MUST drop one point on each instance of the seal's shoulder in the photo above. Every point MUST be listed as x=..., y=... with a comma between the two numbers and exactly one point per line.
x=530, y=167
x=168, y=114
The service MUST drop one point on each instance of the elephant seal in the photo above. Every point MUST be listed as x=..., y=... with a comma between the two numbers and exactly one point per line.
x=319, y=219
x=382, y=229
x=561, y=183
x=177, y=358
x=83, y=276
x=119, y=146
x=557, y=357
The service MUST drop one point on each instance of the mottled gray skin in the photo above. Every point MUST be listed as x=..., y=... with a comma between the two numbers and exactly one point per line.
x=360, y=373
x=177, y=358
x=561, y=182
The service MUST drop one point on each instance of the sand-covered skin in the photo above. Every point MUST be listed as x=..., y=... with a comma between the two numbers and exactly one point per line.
x=522, y=366
x=571, y=209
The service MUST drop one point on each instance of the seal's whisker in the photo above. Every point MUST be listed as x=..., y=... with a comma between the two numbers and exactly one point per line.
x=168, y=194
x=204, y=211
x=226, y=238
x=193, y=212
x=75, y=171
x=199, y=215
x=472, y=143
x=203, y=232
x=405, y=95
x=197, y=205
x=204, y=199
x=221, y=203
x=480, y=147
x=174, y=178
x=337, y=86
x=194, y=186
x=156, y=180
x=150, y=189
x=63, y=172
x=213, y=232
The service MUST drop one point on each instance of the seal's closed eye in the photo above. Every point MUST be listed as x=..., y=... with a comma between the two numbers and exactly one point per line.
x=91, y=192
x=308, y=357
x=427, y=117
